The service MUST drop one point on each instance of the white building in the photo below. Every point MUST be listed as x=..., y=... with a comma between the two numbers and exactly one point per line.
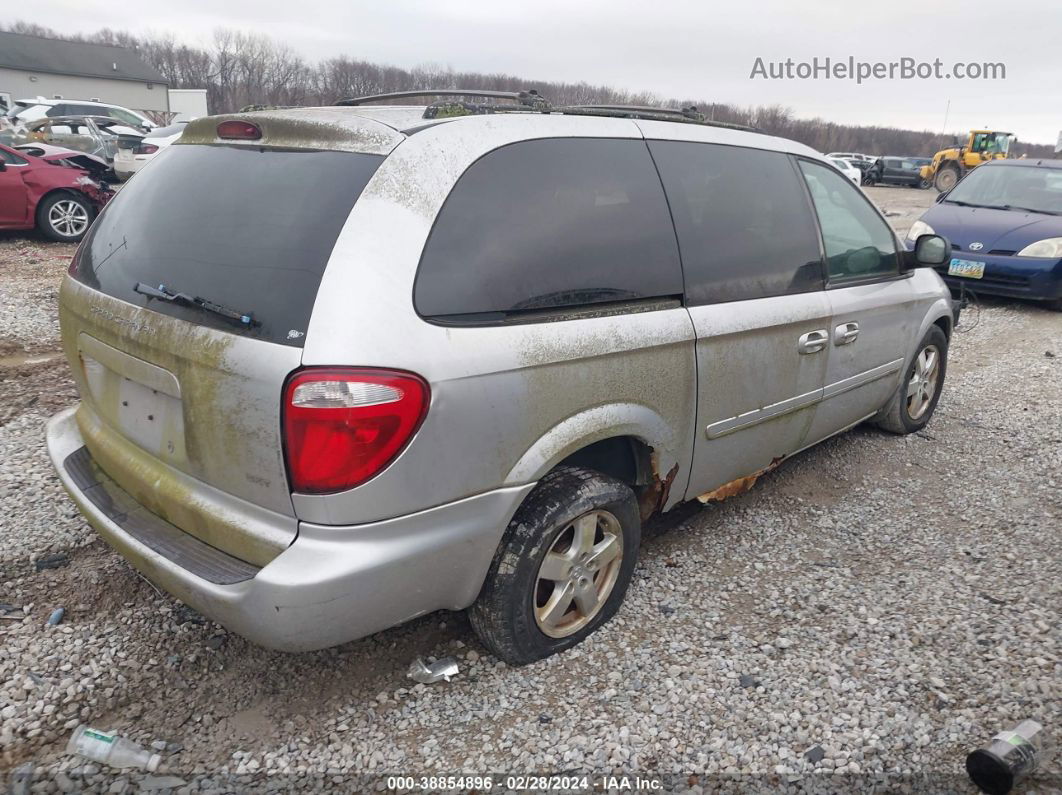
x=31, y=66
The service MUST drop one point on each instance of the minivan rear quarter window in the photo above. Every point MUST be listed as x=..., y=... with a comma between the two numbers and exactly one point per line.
x=744, y=225
x=546, y=224
x=248, y=228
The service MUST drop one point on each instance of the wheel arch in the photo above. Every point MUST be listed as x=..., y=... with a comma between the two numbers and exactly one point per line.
x=945, y=323
x=938, y=314
x=51, y=192
x=629, y=442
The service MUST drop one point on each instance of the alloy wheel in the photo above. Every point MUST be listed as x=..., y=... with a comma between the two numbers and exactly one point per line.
x=923, y=384
x=578, y=573
x=68, y=218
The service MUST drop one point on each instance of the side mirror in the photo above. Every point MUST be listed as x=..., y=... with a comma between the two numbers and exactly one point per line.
x=3, y=166
x=940, y=197
x=929, y=251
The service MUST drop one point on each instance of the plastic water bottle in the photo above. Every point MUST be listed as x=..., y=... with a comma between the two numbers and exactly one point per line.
x=110, y=749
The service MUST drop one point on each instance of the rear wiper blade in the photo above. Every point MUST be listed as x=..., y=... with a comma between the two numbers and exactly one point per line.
x=164, y=294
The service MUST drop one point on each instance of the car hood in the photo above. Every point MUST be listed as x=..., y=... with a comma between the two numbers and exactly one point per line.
x=58, y=155
x=999, y=230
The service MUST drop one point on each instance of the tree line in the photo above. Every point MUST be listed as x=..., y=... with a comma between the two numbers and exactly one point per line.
x=240, y=69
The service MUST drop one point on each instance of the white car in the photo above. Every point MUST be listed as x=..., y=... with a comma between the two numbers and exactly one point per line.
x=128, y=161
x=847, y=169
x=27, y=110
x=851, y=156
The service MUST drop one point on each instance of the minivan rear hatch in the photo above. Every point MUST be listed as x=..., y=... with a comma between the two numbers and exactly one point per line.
x=187, y=309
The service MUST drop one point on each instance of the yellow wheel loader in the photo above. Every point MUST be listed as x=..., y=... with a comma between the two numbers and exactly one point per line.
x=949, y=165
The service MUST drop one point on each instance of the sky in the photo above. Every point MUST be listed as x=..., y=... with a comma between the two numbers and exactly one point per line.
x=672, y=48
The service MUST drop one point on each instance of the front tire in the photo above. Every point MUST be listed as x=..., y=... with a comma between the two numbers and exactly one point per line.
x=914, y=402
x=64, y=217
x=562, y=568
x=946, y=179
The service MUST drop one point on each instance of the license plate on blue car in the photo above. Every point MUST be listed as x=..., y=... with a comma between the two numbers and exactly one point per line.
x=970, y=269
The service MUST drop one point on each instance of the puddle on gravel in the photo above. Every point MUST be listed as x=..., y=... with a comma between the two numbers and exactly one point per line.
x=21, y=359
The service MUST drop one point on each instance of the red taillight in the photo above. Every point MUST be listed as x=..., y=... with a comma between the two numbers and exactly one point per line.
x=145, y=149
x=342, y=426
x=239, y=130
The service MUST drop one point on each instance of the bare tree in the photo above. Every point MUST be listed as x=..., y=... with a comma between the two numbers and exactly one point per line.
x=240, y=69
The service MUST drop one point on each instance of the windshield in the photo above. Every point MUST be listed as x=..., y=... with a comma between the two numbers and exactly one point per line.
x=1011, y=187
x=247, y=229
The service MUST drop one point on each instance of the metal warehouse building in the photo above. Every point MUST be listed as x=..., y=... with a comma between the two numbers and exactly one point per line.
x=31, y=66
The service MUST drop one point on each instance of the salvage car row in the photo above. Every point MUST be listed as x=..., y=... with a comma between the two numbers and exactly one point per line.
x=120, y=138
x=884, y=170
x=59, y=161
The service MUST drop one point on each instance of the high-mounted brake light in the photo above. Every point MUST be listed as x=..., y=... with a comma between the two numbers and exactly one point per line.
x=239, y=130
x=344, y=425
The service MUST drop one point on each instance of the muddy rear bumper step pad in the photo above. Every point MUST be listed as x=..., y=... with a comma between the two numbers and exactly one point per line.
x=171, y=542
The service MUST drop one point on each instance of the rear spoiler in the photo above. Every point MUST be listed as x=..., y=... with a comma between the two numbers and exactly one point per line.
x=312, y=129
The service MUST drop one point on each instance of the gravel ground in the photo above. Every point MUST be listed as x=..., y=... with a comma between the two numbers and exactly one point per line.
x=880, y=605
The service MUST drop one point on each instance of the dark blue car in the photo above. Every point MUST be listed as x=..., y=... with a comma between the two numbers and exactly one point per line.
x=1004, y=221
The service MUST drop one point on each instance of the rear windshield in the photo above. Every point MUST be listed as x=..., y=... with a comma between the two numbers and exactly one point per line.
x=248, y=230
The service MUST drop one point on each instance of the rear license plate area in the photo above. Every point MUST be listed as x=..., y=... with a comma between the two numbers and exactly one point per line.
x=148, y=417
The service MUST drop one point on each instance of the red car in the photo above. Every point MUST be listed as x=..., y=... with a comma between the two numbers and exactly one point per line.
x=52, y=195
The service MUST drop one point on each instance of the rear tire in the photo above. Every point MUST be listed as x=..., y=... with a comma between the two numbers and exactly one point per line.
x=911, y=407
x=64, y=217
x=589, y=526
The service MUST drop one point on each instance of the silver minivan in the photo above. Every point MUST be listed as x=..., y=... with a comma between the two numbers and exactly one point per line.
x=342, y=367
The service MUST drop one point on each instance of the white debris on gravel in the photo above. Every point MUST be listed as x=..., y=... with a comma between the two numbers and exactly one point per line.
x=876, y=607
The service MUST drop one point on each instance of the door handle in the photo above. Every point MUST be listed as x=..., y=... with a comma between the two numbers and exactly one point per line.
x=813, y=341
x=845, y=333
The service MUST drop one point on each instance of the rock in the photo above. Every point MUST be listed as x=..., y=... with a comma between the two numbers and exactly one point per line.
x=815, y=754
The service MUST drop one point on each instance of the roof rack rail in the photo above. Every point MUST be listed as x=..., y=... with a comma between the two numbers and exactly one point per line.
x=689, y=115
x=529, y=99
x=532, y=101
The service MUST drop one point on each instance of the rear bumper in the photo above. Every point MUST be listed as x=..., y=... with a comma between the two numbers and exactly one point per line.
x=333, y=584
x=127, y=165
